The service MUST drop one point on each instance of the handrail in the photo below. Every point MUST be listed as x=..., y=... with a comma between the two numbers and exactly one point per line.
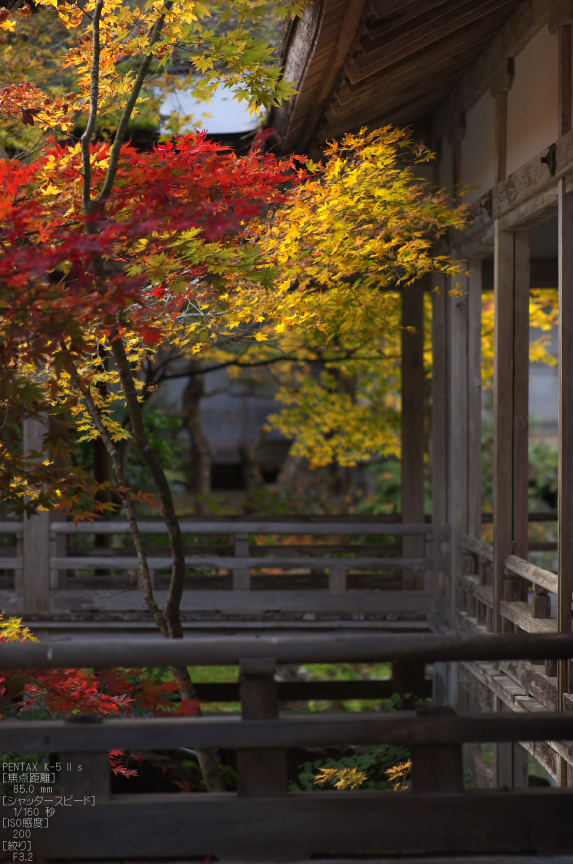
x=402, y=727
x=478, y=547
x=244, y=527
x=536, y=575
x=334, y=648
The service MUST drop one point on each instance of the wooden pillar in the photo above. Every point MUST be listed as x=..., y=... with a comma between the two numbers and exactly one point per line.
x=413, y=426
x=510, y=457
x=440, y=425
x=565, y=440
x=522, y=279
x=458, y=432
x=261, y=772
x=474, y=398
x=36, y=540
x=511, y=365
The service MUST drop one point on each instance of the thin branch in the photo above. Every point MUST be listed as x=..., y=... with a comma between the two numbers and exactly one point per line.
x=94, y=101
x=128, y=110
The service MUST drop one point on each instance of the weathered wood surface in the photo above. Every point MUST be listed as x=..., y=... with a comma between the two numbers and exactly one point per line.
x=401, y=727
x=478, y=547
x=304, y=691
x=255, y=602
x=301, y=827
x=329, y=648
x=565, y=424
x=413, y=436
x=474, y=397
x=299, y=525
x=156, y=562
x=534, y=574
x=261, y=772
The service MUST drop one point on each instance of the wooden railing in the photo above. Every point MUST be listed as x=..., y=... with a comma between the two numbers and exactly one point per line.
x=262, y=821
x=234, y=567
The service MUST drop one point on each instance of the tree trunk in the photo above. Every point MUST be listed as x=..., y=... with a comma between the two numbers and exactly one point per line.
x=171, y=610
x=200, y=453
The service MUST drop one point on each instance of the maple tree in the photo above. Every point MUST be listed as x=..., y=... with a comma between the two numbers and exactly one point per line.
x=105, y=247
x=58, y=693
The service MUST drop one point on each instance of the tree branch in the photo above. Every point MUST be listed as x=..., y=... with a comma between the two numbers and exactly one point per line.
x=128, y=110
x=130, y=510
x=94, y=100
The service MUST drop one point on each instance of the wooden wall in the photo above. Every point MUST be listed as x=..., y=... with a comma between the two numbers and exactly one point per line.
x=532, y=104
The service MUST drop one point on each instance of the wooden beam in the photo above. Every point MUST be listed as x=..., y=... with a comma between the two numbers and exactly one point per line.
x=319, y=825
x=413, y=425
x=380, y=54
x=503, y=411
x=501, y=136
x=474, y=398
x=519, y=29
x=521, y=395
x=440, y=405
x=288, y=648
x=347, y=34
x=458, y=432
x=565, y=433
x=565, y=78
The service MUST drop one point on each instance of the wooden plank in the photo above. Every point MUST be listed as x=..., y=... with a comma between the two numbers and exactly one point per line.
x=536, y=575
x=259, y=602
x=413, y=426
x=521, y=392
x=478, y=547
x=127, y=562
x=221, y=826
x=299, y=525
x=565, y=94
x=342, y=43
x=503, y=411
x=401, y=727
x=565, y=426
x=521, y=614
x=474, y=397
x=304, y=691
x=380, y=55
x=36, y=541
x=331, y=647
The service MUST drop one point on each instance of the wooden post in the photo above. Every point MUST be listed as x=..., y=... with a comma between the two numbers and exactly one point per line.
x=474, y=398
x=85, y=774
x=261, y=772
x=503, y=412
x=413, y=431
x=241, y=576
x=501, y=135
x=439, y=454
x=565, y=434
x=36, y=541
x=437, y=767
x=458, y=434
x=440, y=424
x=522, y=280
